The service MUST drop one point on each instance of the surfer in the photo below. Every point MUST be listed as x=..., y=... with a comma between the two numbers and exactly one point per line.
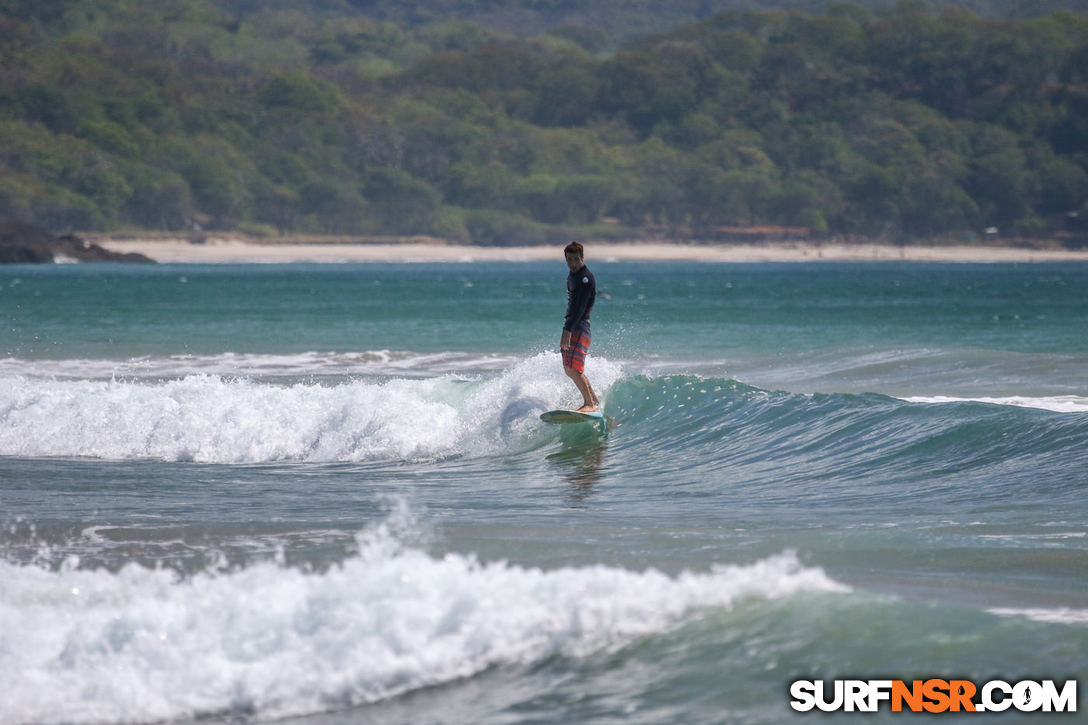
x=581, y=293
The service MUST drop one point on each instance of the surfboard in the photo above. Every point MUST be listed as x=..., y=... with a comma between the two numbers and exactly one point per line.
x=570, y=416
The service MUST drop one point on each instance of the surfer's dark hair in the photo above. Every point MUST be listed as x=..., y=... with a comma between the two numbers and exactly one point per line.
x=574, y=248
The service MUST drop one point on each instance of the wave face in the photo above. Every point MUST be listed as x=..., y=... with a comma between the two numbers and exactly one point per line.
x=710, y=426
x=689, y=410
x=270, y=641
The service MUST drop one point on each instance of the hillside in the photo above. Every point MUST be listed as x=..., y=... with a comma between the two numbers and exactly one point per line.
x=606, y=19
x=912, y=122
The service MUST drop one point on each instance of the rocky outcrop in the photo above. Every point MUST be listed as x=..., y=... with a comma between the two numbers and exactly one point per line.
x=22, y=243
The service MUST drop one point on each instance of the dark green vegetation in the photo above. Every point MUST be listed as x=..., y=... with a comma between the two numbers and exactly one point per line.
x=915, y=121
x=621, y=19
x=609, y=19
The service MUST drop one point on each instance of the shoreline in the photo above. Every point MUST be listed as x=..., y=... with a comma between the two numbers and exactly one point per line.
x=233, y=250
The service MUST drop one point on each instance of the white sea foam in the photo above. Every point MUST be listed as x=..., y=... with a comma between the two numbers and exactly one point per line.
x=1057, y=615
x=1054, y=403
x=142, y=645
x=212, y=419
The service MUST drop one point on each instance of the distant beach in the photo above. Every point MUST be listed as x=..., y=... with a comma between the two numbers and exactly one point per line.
x=237, y=250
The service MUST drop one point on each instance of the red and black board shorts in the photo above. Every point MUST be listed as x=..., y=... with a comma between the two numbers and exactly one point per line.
x=575, y=355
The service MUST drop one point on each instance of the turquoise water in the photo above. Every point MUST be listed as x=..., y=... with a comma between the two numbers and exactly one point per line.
x=323, y=492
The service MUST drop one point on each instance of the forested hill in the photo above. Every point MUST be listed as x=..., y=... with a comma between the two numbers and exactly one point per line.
x=913, y=121
x=615, y=19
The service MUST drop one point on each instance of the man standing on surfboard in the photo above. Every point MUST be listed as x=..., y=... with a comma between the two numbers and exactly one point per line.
x=581, y=294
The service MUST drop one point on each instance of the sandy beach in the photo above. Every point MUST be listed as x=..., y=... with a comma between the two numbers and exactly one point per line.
x=233, y=250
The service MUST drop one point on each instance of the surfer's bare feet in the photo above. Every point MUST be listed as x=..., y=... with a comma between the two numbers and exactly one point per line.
x=588, y=408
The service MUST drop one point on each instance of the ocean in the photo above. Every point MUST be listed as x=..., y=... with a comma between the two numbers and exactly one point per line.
x=321, y=494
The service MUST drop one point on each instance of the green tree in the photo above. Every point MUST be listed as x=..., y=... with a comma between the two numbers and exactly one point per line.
x=329, y=205
x=400, y=203
x=299, y=92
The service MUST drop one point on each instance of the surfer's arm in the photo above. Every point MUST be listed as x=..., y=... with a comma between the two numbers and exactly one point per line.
x=564, y=342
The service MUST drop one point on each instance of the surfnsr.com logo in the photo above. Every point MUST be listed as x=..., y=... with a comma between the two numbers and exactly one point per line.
x=933, y=696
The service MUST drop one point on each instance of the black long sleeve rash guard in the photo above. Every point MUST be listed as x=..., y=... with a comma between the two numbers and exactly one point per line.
x=581, y=294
